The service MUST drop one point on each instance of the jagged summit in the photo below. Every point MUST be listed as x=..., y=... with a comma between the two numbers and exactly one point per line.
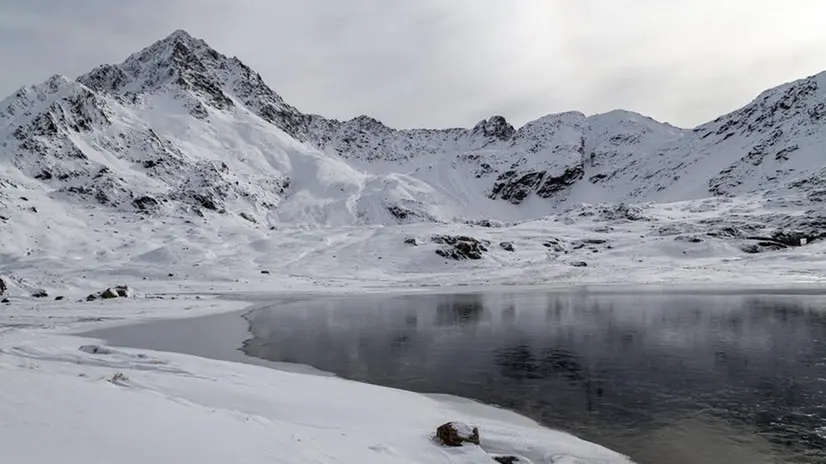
x=496, y=127
x=199, y=76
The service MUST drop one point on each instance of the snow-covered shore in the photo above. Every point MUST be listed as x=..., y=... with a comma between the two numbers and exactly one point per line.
x=59, y=403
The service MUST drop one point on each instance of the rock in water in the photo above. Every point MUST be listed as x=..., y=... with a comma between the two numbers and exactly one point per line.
x=457, y=434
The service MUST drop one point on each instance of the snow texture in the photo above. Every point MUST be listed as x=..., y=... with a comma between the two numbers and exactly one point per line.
x=180, y=172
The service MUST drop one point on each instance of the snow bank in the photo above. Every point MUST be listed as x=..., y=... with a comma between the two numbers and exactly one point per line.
x=59, y=403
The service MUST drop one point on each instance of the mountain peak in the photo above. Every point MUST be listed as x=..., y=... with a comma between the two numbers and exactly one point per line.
x=179, y=34
x=178, y=57
x=497, y=127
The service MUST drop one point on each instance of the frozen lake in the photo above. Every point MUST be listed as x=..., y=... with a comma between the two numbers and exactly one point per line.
x=665, y=378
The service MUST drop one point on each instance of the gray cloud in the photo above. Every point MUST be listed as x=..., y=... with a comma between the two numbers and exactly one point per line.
x=433, y=63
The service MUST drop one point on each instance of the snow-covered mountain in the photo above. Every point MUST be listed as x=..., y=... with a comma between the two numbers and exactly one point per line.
x=181, y=127
x=182, y=157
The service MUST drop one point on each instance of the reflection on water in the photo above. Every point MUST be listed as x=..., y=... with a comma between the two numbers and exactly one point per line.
x=666, y=379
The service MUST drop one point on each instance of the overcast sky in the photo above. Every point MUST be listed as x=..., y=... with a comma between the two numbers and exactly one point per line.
x=438, y=63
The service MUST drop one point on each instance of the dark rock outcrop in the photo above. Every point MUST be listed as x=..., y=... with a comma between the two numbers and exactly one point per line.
x=496, y=127
x=554, y=244
x=120, y=291
x=507, y=246
x=460, y=247
x=146, y=203
x=515, y=187
x=40, y=294
x=248, y=217
x=457, y=434
x=506, y=459
x=108, y=294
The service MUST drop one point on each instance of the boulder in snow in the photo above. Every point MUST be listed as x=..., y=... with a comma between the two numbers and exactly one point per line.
x=3, y=286
x=108, y=294
x=459, y=247
x=507, y=246
x=40, y=294
x=457, y=434
x=506, y=459
x=248, y=217
x=120, y=291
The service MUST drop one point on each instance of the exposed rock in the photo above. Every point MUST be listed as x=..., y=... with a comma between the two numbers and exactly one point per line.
x=59, y=298
x=411, y=241
x=794, y=238
x=40, y=294
x=457, y=434
x=405, y=215
x=3, y=286
x=622, y=212
x=579, y=244
x=265, y=272
x=515, y=187
x=496, y=127
x=146, y=203
x=762, y=247
x=459, y=247
x=506, y=459
x=579, y=264
x=248, y=217
x=554, y=244
x=484, y=223
x=5, y=300
x=120, y=291
x=507, y=246
x=108, y=294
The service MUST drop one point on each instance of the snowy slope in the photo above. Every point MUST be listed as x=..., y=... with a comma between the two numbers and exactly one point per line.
x=180, y=155
x=178, y=128
x=179, y=147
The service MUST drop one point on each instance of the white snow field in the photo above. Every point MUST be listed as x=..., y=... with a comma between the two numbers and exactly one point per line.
x=181, y=174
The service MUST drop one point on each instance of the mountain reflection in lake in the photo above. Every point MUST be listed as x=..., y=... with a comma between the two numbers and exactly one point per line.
x=662, y=378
